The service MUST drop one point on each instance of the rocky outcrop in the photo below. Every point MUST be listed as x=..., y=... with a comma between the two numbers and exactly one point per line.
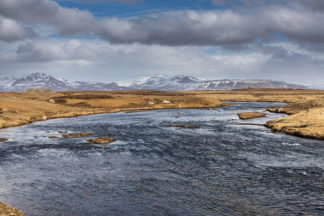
x=250, y=115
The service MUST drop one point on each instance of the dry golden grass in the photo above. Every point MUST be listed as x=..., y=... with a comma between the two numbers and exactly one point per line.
x=36, y=105
x=6, y=210
x=250, y=115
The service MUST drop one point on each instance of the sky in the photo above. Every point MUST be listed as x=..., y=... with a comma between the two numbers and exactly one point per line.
x=118, y=40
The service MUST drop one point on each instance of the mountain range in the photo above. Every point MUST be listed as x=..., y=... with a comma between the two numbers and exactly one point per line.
x=155, y=82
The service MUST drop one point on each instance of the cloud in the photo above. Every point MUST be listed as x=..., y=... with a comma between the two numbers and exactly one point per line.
x=225, y=27
x=313, y=4
x=43, y=50
x=11, y=31
x=67, y=21
x=177, y=28
x=303, y=25
x=122, y=1
x=249, y=2
x=100, y=60
x=183, y=28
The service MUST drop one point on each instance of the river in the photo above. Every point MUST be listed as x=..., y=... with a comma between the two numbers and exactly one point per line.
x=222, y=168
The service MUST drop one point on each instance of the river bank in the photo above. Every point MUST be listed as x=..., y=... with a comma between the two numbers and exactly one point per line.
x=8, y=210
x=305, y=107
x=17, y=109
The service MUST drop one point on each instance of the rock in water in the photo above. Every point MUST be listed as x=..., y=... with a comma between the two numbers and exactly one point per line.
x=101, y=140
x=78, y=135
x=250, y=115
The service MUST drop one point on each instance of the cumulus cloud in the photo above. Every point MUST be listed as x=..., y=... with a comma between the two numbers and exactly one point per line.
x=177, y=28
x=313, y=4
x=67, y=21
x=249, y=2
x=183, y=28
x=97, y=59
x=43, y=50
x=122, y=1
x=11, y=31
x=171, y=42
x=303, y=25
x=215, y=27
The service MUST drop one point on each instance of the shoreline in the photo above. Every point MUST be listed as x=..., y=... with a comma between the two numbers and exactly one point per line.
x=305, y=108
x=9, y=210
x=131, y=110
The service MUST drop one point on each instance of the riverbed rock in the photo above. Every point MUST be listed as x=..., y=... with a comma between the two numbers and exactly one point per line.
x=44, y=118
x=250, y=115
x=54, y=137
x=101, y=140
x=62, y=132
x=3, y=139
x=78, y=135
x=184, y=126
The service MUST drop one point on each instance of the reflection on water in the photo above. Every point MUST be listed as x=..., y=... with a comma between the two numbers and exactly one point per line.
x=223, y=168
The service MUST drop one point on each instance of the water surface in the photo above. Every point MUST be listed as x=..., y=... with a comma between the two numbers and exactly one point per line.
x=223, y=168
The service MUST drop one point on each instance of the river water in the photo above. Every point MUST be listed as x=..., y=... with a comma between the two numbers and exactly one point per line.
x=223, y=168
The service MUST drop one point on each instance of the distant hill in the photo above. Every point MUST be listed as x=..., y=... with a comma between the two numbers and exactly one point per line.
x=160, y=82
x=43, y=80
x=155, y=82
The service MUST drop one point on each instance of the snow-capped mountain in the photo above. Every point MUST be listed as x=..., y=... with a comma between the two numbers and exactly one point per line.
x=155, y=82
x=38, y=80
x=45, y=81
x=176, y=83
x=161, y=82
